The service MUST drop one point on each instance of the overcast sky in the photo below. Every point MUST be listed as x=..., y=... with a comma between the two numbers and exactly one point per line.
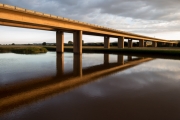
x=154, y=18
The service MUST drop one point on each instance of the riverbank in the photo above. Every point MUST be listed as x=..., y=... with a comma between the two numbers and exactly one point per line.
x=23, y=49
x=146, y=51
x=159, y=51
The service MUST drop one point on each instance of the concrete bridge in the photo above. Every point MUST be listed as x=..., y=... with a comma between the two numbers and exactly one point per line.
x=19, y=17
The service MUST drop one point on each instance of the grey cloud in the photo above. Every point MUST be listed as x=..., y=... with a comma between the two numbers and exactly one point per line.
x=139, y=16
x=137, y=9
x=141, y=9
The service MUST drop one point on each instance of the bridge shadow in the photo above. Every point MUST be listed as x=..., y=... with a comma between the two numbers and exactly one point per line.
x=27, y=92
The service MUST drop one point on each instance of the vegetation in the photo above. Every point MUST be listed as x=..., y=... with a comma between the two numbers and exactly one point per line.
x=44, y=43
x=94, y=47
x=137, y=50
x=178, y=44
x=70, y=42
x=22, y=49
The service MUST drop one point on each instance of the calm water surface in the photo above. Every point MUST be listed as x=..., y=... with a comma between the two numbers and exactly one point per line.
x=91, y=87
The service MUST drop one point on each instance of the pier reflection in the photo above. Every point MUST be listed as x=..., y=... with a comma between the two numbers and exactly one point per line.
x=120, y=59
x=106, y=59
x=130, y=58
x=26, y=92
x=77, y=65
x=60, y=64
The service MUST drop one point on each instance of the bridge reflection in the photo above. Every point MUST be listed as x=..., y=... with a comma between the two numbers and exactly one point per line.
x=26, y=92
x=78, y=70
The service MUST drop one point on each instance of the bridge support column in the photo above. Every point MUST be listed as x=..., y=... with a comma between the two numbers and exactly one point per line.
x=77, y=65
x=145, y=44
x=141, y=43
x=130, y=45
x=77, y=42
x=120, y=42
x=106, y=42
x=59, y=64
x=106, y=58
x=170, y=44
x=154, y=44
x=163, y=44
x=59, y=41
x=120, y=59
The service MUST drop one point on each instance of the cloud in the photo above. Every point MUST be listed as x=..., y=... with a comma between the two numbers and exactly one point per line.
x=142, y=9
x=147, y=17
x=136, y=9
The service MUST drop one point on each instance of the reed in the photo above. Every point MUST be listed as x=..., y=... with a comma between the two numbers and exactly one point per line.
x=23, y=49
x=151, y=51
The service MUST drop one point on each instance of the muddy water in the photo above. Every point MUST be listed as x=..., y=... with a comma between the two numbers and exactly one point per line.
x=89, y=87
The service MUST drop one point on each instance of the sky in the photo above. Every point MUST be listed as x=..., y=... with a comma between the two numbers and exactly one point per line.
x=154, y=18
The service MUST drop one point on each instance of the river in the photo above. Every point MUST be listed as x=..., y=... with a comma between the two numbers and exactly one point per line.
x=90, y=86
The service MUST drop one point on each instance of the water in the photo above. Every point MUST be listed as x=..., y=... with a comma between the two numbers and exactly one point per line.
x=88, y=87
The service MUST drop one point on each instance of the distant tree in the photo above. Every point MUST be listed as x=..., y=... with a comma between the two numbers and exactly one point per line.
x=178, y=45
x=125, y=43
x=135, y=44
x=114, y=43
x=82, y=42
x=13, y=44
x=70, y=42
x=44, y=43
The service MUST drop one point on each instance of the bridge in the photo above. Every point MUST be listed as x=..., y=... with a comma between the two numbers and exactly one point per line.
x=19, y=17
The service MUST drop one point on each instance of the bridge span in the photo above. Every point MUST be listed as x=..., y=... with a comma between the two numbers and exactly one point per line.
x=19, y=17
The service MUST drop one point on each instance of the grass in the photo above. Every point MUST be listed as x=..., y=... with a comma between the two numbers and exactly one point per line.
x=23, y=49
x=158, y=51
x=172, y=51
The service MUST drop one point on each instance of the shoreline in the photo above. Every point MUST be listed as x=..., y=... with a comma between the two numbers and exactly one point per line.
x=160, y=52
x=23, y=49
x=144, y=51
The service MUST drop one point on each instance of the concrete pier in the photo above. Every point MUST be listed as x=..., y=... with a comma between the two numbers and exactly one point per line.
x=154, y=44
x=106, y=42
x=141, y=43
x=163, y=44
x=145, y=44
x=170, y=44
x=77, y=42
x=120, y=42
x=59, y=41
x=130, y=44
